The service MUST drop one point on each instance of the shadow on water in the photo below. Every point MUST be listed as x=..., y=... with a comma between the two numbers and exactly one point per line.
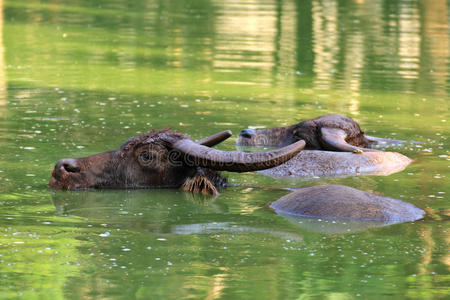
x=160, y=212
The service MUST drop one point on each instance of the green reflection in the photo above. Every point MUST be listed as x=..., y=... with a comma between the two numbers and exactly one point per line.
x=80, y=77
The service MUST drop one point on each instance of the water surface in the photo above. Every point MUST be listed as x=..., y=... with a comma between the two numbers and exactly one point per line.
x=80, y=77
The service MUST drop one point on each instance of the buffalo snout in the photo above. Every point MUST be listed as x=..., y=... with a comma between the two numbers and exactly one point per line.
x=247, y=133
x=68, y=165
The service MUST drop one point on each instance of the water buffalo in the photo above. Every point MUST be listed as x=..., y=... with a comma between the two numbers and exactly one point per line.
x=329, y=132
x=332, y=141
x=338, y=202
x=164, y=159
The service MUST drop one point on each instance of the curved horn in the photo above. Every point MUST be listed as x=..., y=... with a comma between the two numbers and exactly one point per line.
x=215, y=139
x=235, y=161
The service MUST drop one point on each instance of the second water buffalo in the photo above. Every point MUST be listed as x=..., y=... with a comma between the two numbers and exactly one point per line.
x=332, y=142
x=329, y=132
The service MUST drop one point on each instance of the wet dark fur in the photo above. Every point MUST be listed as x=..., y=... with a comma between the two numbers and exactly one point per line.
x=338, y=202
x=120, y=168
x=164, y=136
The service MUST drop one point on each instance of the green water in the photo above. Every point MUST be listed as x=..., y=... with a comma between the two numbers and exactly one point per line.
x=80, y=77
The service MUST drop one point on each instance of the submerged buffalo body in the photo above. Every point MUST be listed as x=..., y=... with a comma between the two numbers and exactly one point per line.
x=338, y=202
x=329, y=132
x=164, y=159
x=317, y=163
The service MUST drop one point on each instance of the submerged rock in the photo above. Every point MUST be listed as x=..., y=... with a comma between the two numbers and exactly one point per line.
x=338, y=202
x=310, y=163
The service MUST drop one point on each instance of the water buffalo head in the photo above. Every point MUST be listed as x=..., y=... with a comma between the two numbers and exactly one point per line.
x=164, y=159
x=277, y=137
x=329, y=132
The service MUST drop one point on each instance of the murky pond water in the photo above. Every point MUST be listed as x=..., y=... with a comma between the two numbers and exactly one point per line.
x=80, y=77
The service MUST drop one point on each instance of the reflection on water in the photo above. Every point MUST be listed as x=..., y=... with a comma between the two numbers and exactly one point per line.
x=435, y=46
x=246, y=34
x=333, y=226
x=347, y=45
x=155, y=211
x=2, y=64
x=325, y=18
x=215, y=228
x=79, y=77
x=408, y=42
x=392, y=52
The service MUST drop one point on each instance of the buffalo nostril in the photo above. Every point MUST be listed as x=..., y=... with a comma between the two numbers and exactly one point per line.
x=71, y=168
x=68, y=164
x=247, y=133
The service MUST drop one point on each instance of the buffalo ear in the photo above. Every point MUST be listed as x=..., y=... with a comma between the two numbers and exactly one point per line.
x=334, y=138
x=199, y=184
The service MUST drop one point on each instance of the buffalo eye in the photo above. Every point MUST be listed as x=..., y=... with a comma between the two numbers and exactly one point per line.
x=298, y=133
x=145, y=158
